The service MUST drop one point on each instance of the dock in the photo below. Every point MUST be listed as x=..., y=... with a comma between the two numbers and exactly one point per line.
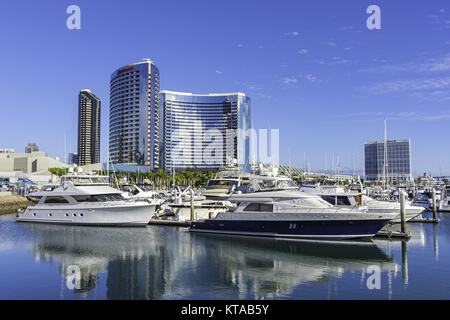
x=424, y=220
x=393, y=234
x=172, y=223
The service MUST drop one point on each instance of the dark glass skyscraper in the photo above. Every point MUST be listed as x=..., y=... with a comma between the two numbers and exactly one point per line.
x=134, y=115
x=88, y=128
x=397, y=166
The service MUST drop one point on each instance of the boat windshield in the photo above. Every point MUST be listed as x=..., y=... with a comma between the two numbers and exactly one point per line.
x=272, y=184
x=220, y=183
x=77, y=180
x=99, y=197
x=145, y=187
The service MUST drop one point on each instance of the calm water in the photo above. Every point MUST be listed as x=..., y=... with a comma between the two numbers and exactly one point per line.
x=159, y=262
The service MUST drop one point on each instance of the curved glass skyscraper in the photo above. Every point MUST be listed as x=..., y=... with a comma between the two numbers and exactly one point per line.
x=204, y=131
x=134, y=115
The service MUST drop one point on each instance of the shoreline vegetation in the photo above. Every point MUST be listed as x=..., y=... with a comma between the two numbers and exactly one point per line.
x=11, y=203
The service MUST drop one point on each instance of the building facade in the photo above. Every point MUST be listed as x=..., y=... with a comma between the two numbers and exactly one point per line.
x=88, y=128
x=134, y=115
x=204, y=131
x=31, y=147
x=398, y=164
x=72, y=158
x=37, y=162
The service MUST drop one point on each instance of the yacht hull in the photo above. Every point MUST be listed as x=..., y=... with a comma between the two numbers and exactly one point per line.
x=323, y=229
x=135, y=215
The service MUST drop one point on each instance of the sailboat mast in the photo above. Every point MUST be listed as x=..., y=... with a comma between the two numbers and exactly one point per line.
x=385, y=156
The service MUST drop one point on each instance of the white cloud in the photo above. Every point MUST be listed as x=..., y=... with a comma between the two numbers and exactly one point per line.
x=431, y=65
x=310, y=77
x=293, y=33
x=240, y=45
x=332, y=44
x=303, y=51
x=219, y=72
x=289, y=80
x=403, y=115
x=338, y=60
x=412, y=85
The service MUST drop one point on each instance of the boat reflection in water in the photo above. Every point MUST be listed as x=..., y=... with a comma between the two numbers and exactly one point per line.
x=159, y=262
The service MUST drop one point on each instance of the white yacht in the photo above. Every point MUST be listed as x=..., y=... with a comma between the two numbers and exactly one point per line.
x=445, y=200
x=84, y=199
x=140, y=192
x=388, y=206
x=340, y=197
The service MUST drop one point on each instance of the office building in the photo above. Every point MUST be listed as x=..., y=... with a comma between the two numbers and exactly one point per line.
x=88, y=128
x=134, y=115
x=204, y=131
x=72, y=158
x=398, y=164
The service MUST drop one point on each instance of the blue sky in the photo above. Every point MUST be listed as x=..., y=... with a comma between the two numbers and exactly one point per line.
x=312, y=69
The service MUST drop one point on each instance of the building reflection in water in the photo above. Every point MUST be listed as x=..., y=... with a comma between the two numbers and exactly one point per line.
x=169, y=263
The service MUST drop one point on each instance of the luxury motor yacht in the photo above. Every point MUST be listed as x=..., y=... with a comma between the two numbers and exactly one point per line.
x=84, y=199
x=340, y=197
x=275, y=208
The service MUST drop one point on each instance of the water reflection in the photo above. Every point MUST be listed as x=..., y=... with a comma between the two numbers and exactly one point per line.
x=169, y=263
x=272, y=268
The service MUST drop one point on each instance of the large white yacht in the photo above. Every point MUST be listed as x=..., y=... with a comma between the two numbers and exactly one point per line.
x=85, y=199
x=337, y=195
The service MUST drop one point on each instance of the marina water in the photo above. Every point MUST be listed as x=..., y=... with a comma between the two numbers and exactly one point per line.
x=43, y=261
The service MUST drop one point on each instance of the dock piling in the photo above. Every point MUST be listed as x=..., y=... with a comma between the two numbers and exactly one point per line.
x=402, y=211
x=192, y=204
x=433, y=194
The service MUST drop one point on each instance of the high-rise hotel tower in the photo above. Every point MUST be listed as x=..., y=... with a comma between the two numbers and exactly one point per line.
x=134, y=115
x=88, y=128
x=204, y=131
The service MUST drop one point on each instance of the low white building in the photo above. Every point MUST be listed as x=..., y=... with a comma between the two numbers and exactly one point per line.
x=36, y=163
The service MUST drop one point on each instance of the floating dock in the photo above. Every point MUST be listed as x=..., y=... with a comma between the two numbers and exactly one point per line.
x=172, y=223
x=393, y=234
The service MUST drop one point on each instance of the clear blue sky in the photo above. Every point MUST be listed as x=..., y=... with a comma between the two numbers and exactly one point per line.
x=311, y=68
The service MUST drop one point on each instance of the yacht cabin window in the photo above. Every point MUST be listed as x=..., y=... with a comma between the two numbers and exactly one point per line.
x=337, y=200
x=55, y=200
x=261, y=207
x=99, y=198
